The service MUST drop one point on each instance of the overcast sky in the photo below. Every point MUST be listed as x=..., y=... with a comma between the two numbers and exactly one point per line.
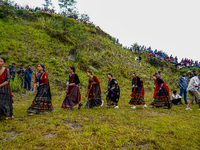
x=169, y=25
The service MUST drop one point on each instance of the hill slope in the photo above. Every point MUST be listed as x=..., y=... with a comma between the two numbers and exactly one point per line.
x=32, y=38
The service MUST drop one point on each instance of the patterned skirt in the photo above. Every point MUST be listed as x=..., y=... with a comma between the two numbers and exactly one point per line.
x=96, y=101
x=113, y=97
x=6, y=108
x=162, y=98
x=137, y=98
x=72, y=99
x=42, y=101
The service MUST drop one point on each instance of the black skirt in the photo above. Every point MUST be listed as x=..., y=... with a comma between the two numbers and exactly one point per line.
x=42, y=101
x=113, y=97
x=96, y=101
x=6, y=108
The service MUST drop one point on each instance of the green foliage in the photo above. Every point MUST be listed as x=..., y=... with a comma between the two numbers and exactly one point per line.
x=15, y=85
x=47, y=3
x=85, y=17
x=66, y=5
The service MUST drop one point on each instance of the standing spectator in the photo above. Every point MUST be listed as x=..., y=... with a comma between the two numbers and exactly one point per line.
x=193, y=74
x=21, y=74
x=176, y=59
x=28, y=77
x=193, y=91
x=135, y=48
x=12, y=71
x=183, y=83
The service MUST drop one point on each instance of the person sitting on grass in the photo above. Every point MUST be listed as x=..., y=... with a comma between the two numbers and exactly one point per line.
x=176, y=98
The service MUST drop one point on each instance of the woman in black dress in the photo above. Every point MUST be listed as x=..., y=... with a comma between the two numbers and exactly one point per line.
x=73, y=95
x=42, y=101
x=6, y=108
x=137, y=96
x=113, y=92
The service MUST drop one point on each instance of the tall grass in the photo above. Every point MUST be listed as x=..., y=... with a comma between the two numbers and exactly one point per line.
x=15, y=85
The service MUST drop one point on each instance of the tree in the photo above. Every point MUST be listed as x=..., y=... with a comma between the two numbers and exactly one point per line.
x=10, y=2
x=134, y=45
x=66, y=6
x=47, y=3
x=85, y=17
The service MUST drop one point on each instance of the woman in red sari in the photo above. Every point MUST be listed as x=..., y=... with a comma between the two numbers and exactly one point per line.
x=161, y=94
x=93, y=92
x=73, y=96
x=42, y=102
x=137, y=96
x=6, y=108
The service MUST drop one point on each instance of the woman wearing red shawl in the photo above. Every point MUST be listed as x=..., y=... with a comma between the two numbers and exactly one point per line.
x=137, y=96
x=73, y=96
x=161, y=93
x=93, y=92
x=6, y=108
x=42, y=102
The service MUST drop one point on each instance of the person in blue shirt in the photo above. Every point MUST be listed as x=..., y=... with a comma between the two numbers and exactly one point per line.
x=183, y=83
x=12, y=71
x=28, y=77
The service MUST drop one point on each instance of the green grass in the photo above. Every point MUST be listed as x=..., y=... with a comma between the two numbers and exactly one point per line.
x=33, y=38
x=101, y=128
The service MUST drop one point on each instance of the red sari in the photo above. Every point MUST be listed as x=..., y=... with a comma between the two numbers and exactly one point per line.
x=6, y=108
x=161, y=97
x=91, y=88
x=94, y=95
x=3, y=77
x=42, y=101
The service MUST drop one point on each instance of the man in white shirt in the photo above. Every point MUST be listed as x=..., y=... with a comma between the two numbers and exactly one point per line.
x=193, y=91
x=176, y=98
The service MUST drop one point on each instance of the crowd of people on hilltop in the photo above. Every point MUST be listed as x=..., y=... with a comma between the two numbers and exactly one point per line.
x=52, y=11
x=184, y=63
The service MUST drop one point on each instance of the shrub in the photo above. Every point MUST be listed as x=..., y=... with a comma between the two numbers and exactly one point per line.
x=15, y=85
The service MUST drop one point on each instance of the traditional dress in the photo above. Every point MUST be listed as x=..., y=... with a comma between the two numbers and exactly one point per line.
x=6, y=108
x=113, y=92
x=94, y=95
x=42, y=102
x=73, y=96
x=137, y=92
x=161, y=96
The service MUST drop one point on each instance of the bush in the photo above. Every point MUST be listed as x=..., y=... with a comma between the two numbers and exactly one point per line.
x=15, y=85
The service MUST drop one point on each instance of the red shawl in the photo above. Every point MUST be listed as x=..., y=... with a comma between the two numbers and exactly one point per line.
x=136, y=84
x=2, y=79
x=71, y=80
x=91, y=88
x=157, y=88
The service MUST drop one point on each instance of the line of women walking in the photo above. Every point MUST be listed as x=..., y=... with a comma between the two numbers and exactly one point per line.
x=42, y=101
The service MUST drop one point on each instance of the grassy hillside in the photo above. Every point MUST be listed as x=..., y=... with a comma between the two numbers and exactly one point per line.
x=33, y=38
